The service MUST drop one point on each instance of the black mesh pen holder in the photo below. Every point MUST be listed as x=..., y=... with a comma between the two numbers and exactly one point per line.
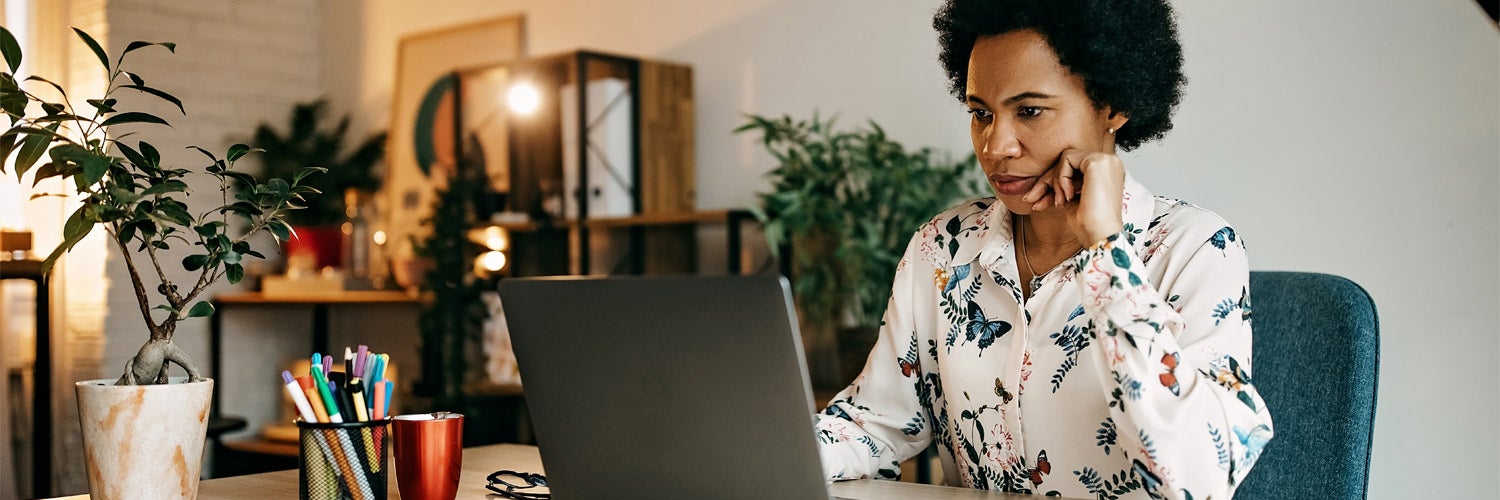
x=347, y=461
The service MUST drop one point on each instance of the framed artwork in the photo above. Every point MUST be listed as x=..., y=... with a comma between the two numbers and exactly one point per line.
x=422, y=152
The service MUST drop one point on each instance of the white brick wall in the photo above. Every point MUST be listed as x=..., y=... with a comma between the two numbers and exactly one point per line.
x=238, y=63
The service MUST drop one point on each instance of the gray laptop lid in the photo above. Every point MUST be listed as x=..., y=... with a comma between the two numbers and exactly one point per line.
x=665, y=387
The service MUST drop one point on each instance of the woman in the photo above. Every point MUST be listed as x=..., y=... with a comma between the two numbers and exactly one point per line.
x=1074, y=335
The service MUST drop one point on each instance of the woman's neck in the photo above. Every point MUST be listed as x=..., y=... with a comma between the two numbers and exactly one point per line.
x=1047, y=233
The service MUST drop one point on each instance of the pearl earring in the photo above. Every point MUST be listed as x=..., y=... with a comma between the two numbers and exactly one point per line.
x=1111, y=130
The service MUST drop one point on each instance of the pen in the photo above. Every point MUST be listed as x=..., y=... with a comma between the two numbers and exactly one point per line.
x=359, y=361
x=367, y=374
x=390, y=397
x=356, y=392
x=317, y=360
x=327, y=365
x=299, y=397
x=348, y=367
x=379, y=405
x=328, y=401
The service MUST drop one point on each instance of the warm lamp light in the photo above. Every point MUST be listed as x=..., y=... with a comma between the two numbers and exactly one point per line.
x=491, y=261
x=379, y=237
x=523, y=98
x=496, y=238
x=492, y=237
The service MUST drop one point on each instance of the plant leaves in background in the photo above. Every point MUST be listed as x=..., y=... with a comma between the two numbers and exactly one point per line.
x=133, y=117
x=201, y=309
x=94, y=46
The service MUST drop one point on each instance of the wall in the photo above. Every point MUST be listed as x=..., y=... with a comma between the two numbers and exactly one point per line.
x=1311, y=126
x=1362, y=139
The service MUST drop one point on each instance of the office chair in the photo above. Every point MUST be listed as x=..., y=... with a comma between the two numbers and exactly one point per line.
x=1316, y=358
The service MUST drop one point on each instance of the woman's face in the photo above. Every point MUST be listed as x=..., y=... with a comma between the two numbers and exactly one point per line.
x=1027, y=108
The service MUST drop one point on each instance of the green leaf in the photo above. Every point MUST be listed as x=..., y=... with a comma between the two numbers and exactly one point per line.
x=132, y=155
x=245, y=180
x=201, y=309
x=163, y=95
x=12, y=100
x=234, y=272
x=205, y=152
x=74, y=230
x=304, y=172
x=134, y=78
x=279, y=230
x=194, y=262
x=103, y=105
x=152, y=155
x=46, y=171
x=165, y=307
x=236, y=151
x=94, y=46
x=31, y=150
x=172, y=47
x=7, y=144
x=165, y=187
x=175, y=211
x=55, y=86
x=11, y=49
x=134, y=117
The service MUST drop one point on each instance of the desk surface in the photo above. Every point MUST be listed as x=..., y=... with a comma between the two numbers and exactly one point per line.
x=480, y=461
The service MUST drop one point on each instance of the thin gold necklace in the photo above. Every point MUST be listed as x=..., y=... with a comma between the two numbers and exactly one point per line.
x=1025, y=255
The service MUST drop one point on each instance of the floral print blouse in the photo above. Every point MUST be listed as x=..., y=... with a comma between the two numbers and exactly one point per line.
x=1125, y=375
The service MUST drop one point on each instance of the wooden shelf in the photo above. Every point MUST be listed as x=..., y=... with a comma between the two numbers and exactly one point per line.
x=668, y=219
x=344, y=297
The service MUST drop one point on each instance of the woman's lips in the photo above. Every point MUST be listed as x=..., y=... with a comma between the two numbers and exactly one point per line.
x=1011, y=185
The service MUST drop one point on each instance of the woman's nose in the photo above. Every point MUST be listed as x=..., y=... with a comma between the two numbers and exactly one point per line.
x=999, y=142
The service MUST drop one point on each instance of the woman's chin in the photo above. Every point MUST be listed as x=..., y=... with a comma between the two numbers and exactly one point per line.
x=1014, y=204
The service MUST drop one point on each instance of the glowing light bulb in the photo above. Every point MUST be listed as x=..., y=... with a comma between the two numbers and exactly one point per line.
x=492, y=261
x=523, y=98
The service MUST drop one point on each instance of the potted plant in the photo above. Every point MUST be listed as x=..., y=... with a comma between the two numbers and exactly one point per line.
x=350, y=179
x=845, y=203
x=143, y=432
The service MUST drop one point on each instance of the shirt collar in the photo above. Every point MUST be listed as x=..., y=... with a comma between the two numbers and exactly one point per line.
x=993, y=244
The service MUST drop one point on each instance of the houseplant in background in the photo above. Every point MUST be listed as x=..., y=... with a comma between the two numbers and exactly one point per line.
x=351, y=177
x=845, y=203
x=143, y=433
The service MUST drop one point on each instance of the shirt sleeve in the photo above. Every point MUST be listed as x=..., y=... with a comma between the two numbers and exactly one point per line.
x=1178, y=363
x=878, y=421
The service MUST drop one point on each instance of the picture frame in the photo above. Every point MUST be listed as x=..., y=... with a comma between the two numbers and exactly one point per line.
x=422, y=152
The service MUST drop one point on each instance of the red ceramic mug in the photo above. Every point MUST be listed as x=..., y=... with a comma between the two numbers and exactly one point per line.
x=429, y=454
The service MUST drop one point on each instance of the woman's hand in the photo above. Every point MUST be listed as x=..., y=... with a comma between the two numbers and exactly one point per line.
x=1088, y=187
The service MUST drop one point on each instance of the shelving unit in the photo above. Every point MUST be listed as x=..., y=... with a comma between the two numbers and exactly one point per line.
x=601, y=164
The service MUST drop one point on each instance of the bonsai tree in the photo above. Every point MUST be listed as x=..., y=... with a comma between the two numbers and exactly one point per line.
x=307, y=142
x=138, y=201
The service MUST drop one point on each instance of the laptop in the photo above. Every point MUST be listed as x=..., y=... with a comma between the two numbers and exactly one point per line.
x=666, y=387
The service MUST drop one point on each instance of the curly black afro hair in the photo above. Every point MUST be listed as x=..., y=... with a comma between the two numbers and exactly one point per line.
x=1126, y=51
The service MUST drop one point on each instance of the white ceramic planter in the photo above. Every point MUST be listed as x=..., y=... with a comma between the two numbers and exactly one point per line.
x=145, y=441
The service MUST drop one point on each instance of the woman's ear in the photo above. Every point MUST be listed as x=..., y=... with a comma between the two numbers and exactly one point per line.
x=1115, y=120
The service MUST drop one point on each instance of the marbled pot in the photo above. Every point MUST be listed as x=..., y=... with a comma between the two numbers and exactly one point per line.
x=144, y=441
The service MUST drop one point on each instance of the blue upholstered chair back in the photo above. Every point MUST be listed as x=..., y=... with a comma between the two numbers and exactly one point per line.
x=1316, y=354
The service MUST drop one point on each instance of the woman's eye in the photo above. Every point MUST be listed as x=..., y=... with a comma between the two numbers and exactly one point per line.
x=1029, y=111
x=980, y=114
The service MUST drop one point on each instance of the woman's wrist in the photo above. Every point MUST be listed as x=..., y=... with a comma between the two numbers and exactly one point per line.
x=1096, y=235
